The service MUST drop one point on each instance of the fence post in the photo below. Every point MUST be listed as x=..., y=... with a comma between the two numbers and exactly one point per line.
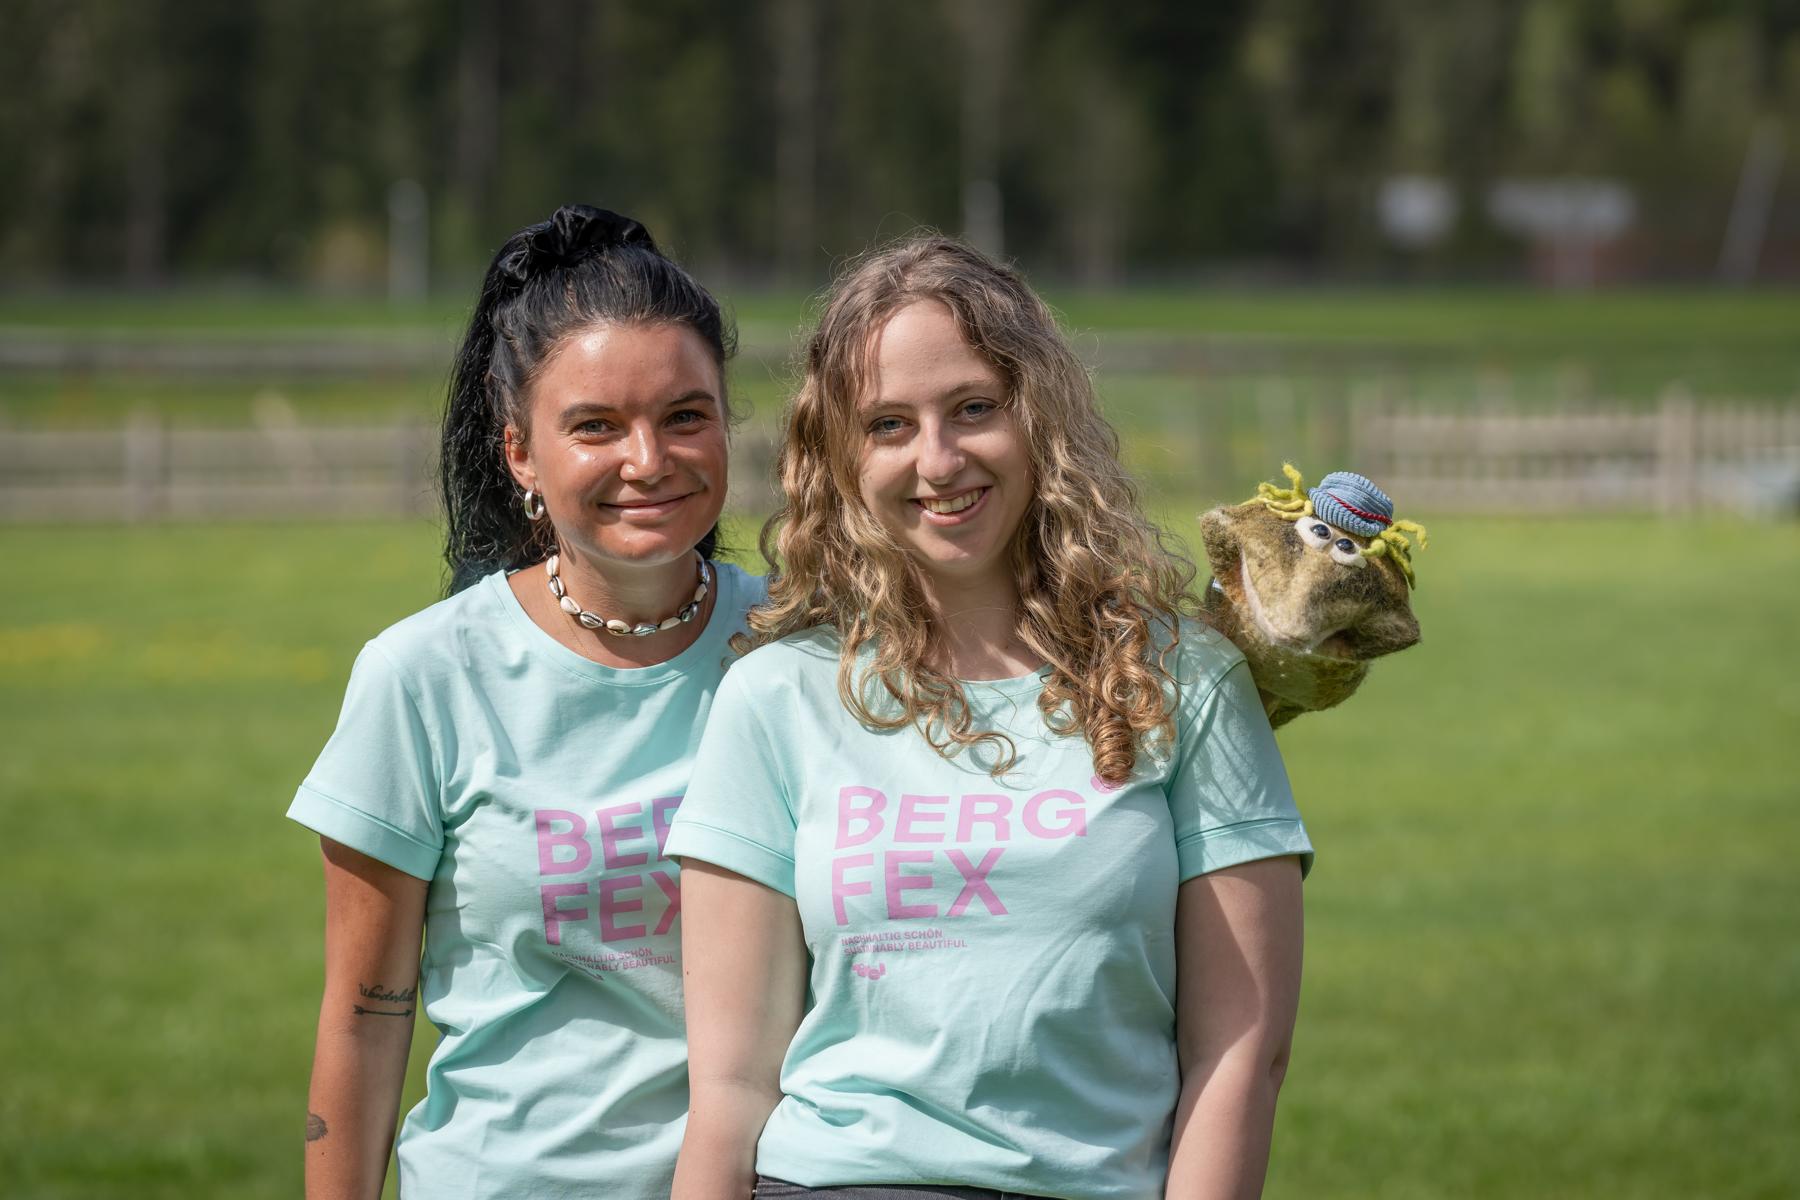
x=1676, y=465
x=146, y=466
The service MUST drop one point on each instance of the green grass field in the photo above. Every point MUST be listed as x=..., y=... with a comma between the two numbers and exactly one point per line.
x=1551, y=944
x=1552, y=939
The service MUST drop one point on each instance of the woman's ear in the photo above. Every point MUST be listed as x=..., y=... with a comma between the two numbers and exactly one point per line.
x=518, y=458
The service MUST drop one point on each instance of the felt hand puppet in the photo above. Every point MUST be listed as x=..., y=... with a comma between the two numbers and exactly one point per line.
x=1311, y=584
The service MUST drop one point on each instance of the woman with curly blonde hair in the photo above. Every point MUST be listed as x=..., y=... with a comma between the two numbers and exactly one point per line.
x=991, y=869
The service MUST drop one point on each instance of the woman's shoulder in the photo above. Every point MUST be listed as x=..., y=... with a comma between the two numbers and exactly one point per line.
x=1198, y=656
x=810, y=653
x=423, y=640
x=739, y=587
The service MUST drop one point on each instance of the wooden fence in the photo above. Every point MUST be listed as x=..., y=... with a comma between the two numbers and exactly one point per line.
x=1678, y=457
x=149, y=472
x=146, y=472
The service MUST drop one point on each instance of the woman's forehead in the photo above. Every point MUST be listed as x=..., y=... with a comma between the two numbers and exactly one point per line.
x=921, y=355
x=627, y=364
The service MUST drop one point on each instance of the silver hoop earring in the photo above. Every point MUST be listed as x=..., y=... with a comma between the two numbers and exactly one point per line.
x=534, y=505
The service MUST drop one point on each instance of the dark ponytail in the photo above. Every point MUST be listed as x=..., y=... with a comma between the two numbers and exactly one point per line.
x=584, y=266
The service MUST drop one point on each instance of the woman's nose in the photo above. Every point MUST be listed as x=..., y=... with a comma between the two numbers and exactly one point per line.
x=645, y=457
x=941, y=456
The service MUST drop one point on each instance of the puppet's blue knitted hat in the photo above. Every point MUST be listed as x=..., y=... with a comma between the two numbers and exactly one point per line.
x=1352, y=503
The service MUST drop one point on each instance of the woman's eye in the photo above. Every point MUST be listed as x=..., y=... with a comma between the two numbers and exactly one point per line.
x=978, y=408
x=686, y=416
x=886, y=426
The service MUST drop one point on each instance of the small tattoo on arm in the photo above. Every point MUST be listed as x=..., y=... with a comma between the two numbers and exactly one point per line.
x=315, y=1127
x=374, y=991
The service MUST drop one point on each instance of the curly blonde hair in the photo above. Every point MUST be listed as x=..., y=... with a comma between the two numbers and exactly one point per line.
x=1095, y=579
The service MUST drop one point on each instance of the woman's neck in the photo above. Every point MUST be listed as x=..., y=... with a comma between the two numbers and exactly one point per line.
x=630, y=593
x=635, y=595
x=976, y=628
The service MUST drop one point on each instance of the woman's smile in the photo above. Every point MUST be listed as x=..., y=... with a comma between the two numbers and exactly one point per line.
x=646, y=510
x=957, y=509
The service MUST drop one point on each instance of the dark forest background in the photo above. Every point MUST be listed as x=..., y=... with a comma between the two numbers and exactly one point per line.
x=1100, y=141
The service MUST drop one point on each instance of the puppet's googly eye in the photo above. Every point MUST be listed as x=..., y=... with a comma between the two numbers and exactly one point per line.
x=1314, y=532
x=1348, y=553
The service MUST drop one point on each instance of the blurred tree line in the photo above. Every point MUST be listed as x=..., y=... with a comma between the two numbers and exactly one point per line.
x=1091, y=138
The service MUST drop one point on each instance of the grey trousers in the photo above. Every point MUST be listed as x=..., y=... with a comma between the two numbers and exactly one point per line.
x=778, y=1189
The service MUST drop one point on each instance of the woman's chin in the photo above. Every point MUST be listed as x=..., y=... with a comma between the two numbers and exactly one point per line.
x=639, y=548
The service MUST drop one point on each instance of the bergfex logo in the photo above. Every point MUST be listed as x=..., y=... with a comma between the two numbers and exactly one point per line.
x=863, y=813
x=563, y=849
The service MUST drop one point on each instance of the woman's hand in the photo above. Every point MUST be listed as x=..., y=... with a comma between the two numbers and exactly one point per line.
x=374, y=917
x=744, y=975
x=1238, y=934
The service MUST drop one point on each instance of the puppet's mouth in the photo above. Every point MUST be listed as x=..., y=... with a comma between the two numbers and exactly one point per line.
x=1334, y=644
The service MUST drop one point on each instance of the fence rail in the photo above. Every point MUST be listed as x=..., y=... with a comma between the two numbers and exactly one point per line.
x=148, y=472
x=1678, y=457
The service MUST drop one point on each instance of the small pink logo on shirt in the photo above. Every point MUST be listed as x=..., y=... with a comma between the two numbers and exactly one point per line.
x=1100, y=785
x=870, y=972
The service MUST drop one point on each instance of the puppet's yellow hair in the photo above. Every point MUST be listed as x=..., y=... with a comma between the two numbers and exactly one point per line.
x=1393, y=542
x=1289, y=503
x=1292, y=503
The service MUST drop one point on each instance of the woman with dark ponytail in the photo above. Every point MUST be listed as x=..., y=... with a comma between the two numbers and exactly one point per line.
x=508, y=761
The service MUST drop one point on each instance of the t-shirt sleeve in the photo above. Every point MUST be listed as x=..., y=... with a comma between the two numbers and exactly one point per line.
x=375, y=785
x=736, y=813
x=1229, y=791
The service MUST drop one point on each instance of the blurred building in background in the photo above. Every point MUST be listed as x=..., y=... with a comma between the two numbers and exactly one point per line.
x=362, y=144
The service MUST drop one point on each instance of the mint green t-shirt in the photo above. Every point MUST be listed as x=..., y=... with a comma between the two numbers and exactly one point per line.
x=992, y=960
x=534, y=790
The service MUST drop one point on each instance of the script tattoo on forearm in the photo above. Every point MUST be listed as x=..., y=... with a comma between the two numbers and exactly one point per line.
x=315, y=1127
x=374, y=991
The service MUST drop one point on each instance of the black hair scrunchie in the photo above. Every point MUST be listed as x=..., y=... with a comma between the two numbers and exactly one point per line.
x=575, y=232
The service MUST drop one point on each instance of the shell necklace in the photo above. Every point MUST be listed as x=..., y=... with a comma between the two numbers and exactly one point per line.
x=621, y=628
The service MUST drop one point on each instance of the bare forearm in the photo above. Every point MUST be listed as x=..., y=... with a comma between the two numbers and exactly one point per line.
x=359, y=1069
x=718, y=1150
x=1222, y=1130
x=373, y=917
x=1239, y=934
x=744, y=972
